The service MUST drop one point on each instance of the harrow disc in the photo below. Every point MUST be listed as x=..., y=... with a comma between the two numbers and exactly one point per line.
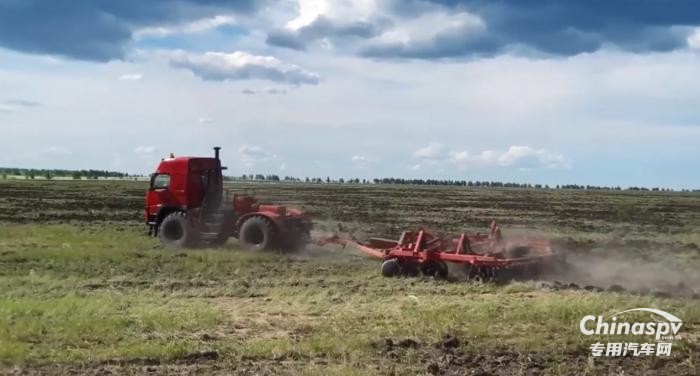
x=410, y=269
x=436, y=269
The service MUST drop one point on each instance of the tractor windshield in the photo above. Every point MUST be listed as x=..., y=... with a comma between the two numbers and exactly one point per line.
x=160, y=181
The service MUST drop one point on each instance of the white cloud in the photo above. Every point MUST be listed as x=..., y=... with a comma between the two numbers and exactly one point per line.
x=198, y=26
x=57, y=150
x=694, y=39
x=520, y=154
x=12, y=105
x=434, y=150
x=145, y=149
x=428, y=25
x=361, y=161
x=205, y=120
x=252, y=154
x=269, y=90
x=310, y=10
x=275, y=91
x=220, y=66
x=516, y=155
x=378, y=28
x=131, y=77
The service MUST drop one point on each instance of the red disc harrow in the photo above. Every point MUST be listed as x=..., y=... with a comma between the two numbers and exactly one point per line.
x=482, y=257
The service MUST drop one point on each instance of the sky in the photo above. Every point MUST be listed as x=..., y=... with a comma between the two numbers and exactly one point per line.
x=591, y=92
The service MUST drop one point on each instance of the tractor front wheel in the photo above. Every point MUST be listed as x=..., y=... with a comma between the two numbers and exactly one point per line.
x=257, y=233
x=176, y=232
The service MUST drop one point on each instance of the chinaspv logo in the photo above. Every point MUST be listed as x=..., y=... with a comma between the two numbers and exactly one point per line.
x=658, y=332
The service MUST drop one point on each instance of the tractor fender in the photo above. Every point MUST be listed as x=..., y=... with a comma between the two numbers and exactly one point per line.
x=165, y=211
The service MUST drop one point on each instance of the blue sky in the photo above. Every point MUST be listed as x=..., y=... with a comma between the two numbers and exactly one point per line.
x=589, y=92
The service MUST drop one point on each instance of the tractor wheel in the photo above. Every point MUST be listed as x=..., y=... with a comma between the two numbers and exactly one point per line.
x=175, y=231
x=257, y=233
x=391, y=268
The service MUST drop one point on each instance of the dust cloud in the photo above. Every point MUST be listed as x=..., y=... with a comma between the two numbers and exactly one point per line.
x=625, y=269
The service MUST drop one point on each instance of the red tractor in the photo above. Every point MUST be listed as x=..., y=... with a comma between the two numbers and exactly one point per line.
x=186, y=207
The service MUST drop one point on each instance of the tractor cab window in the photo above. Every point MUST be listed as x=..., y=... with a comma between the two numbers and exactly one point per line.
x=160, y=181
x=204, y=179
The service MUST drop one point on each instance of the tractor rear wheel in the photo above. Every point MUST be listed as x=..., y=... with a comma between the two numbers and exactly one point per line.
x=176, y=232
x=257, y=233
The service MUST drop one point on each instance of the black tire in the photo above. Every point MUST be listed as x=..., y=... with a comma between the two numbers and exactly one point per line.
x=257, y=233
x=435, y=269
x=410, y=269
x=474, y=274
x=390, y=268
x=175, y=231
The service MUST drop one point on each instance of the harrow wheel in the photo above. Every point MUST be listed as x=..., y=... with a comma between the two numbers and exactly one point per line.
x=391, y=268
x=490, y=274
x=436, y=269
x=474, y=274
x=484, y=274
x=505, y=275
x=410, y=269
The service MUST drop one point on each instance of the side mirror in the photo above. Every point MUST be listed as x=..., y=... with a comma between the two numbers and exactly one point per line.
x=150, y=185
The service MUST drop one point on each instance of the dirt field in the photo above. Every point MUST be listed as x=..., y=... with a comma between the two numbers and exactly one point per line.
x=84, y=290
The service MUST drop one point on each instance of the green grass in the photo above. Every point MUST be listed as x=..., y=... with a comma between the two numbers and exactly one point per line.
x=99, y=326
x=72, y=295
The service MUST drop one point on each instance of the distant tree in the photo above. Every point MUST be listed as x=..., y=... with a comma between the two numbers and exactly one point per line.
x=77, y=175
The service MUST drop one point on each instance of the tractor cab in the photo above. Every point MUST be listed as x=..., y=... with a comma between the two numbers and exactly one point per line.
x=185, y=183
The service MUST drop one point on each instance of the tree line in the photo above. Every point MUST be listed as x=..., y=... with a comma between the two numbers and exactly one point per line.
x=32, y=173
x=441, y=182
